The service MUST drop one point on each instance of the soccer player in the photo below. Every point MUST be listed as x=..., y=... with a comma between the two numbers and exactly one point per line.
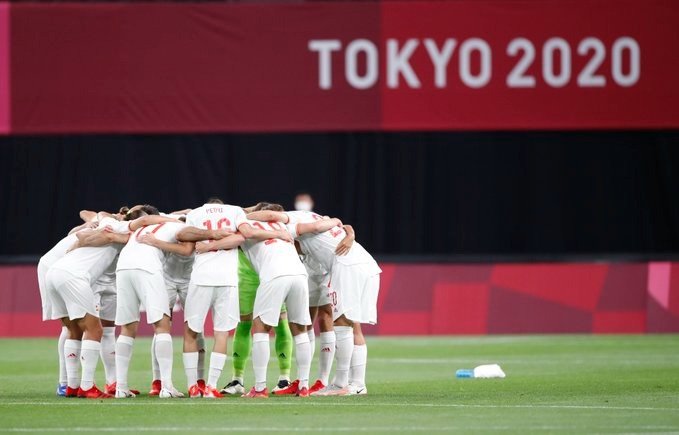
x=248, y=281
x=283, y=278
x=177, y=273
x=69, y=282
x=213, y=285
x=140, y=279
x=354, y=288
x=46, y=261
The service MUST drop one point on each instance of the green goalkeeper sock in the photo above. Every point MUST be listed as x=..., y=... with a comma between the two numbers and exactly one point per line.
x=284, y=347
x=242, y=345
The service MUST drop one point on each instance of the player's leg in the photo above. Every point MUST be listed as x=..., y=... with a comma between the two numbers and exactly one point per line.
x=242, y=338
x=297, y=302
x=70, y=349
x=260, y=357
x=283, y=346
x=359, y=358
x=106, y=298
x=182, y=293
x=266, y=311
x=82, y=310
x=127, y=317
x=225, y=315
x=63, y=380
x=327, y=346
x=198, y=303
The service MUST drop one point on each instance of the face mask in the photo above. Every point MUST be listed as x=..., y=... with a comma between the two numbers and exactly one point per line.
x=302, y=206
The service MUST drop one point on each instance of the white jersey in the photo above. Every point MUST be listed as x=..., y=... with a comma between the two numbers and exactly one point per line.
x=108, y=278
x=215, y=268
x=322, y=246
x=177, y=268
x=136, y=255
x=313, y=267
x=91, y=262
x=58, y=251
x=273, y=257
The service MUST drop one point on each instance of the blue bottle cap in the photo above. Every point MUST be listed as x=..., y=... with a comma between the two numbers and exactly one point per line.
x=464, y=373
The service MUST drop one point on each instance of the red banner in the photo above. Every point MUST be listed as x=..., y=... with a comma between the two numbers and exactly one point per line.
x=443, y=299
x=208, y=67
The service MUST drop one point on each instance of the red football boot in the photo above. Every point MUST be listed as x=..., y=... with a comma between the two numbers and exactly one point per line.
x=318, y=385
x=303, y=392
x=111, y=389
x=290, y=389
x=256, y=394
x=72, y=392
x=93, y=393
x=155, y=388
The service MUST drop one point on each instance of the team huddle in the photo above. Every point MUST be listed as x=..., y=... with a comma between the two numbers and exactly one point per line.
x=256, y=269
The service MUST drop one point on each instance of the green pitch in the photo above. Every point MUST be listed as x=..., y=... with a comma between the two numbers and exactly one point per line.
x=555, y=384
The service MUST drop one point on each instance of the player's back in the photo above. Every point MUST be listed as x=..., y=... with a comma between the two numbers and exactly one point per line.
x=137, y=255
x=273, y=257
x=92, y=261
x=322, y=246
x=215, y=268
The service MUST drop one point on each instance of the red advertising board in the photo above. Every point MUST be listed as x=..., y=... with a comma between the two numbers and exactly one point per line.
x=341, y=66
x=445, y=299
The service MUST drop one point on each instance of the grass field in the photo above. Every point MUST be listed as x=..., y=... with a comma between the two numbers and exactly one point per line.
x=554, y=384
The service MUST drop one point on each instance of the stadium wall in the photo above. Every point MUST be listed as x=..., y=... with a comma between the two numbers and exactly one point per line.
x=445, y=299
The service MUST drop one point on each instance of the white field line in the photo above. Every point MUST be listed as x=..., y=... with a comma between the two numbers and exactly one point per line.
x=302, y=429
x=268, y=403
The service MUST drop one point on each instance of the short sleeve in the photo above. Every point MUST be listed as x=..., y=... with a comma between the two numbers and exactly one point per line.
x=240, y=217
x=292, y=229
x=120, y=227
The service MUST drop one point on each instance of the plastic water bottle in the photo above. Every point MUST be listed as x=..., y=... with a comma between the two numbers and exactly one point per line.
x=464, y=373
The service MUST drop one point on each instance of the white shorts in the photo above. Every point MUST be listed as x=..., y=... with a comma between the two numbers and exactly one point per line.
x=291, y=289
x=135, y=287
x=354, y=291
x=70, y=295
x=176, y=290
x=224, y=303
x=44, y=297
x=319, y=291
x=105, y=297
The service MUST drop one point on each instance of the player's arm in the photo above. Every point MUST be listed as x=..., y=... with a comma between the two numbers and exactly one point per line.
x=87, y=215
x=318, y=227
x=181, y=248
x=98, y=238
x=269, y=216
x=147, y=220
x=184, y=211
x=229, y=242
x=345, y=245
x=193, y=234
x=250, y=232
x=86, y=225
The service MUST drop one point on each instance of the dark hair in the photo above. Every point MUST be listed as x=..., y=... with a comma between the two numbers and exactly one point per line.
x=149, y=209
x=124, y=209
x=182, y=218
x=272, y=207
x=134, y=214
x=214, y=200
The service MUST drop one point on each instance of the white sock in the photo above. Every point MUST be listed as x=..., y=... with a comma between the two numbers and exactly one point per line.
x=260, y=359
x=326, y=356
x=124, y=346
x=312, y=343
x=191, y=367
x=72, y=358
x=164, y=356
x=359, y=359
x=200, y=340
x=63, y=379
x=89, y=357
x=154, y=360
x=217, y=361
x=303, y=357
x=344, y=344
x=108, y=353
